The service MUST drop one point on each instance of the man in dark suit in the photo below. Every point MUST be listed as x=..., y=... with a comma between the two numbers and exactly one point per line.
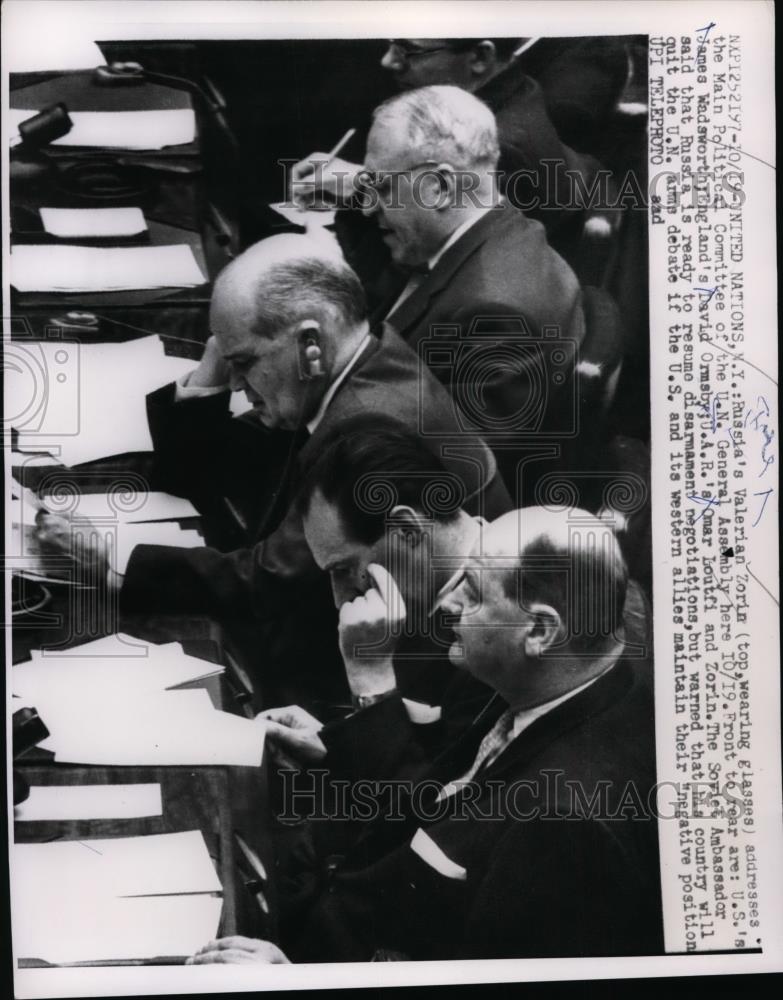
x=489, y=306
x=290, y=332
x=536, y=169
x=535, y=834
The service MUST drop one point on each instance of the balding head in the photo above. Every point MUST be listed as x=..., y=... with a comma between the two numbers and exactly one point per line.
x=539, y=607
x=285, y=278
x=281, y=299
x=570, y=559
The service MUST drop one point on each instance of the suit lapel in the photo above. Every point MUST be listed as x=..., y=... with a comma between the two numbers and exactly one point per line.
x=549, y=727
x=416, y=306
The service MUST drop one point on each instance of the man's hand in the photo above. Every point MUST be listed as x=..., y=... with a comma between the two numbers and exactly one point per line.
x=318, y=178
x=212, y=370
x=78, y=539
x=372, y=620
x=238, y=951
x=292, y=730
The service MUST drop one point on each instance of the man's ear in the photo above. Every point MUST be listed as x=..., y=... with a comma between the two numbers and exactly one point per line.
x=482, y=57
x=445, y=180
x=545, y=630
x=408, y=523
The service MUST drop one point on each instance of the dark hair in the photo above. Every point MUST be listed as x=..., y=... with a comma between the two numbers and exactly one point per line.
x=293, y=290
x=586, y=584
x=368, y=466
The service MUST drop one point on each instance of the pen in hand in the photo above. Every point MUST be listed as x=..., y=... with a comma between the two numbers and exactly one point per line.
x=323, y=164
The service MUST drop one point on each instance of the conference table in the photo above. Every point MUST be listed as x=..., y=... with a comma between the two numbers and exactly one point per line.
x=232, y=806
x=228, y=804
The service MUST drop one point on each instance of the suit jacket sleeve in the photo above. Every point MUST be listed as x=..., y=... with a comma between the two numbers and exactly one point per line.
x=189, y=440
x=376, y=743
x=254, y=581
x=588, y=893
x=200, y=450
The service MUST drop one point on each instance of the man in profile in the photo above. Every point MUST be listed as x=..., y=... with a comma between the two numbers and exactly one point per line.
x=536, y=169
x=534, y=834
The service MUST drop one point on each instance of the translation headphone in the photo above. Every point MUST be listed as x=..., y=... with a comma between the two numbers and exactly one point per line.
x=310, y=356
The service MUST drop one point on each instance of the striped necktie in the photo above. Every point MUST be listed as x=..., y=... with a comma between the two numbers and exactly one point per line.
x=493, y=743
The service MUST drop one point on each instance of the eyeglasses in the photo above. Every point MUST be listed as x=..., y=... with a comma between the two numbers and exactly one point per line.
x=403, y=50
x=374, y=184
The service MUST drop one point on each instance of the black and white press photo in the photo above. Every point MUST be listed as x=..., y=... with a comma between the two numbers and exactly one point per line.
x=391, y=476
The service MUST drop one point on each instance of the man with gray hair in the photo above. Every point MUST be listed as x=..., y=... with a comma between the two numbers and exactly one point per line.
x=493, y=310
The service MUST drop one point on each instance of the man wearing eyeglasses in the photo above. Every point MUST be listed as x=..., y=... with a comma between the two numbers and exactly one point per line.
x=533, y=159
x=483, y=287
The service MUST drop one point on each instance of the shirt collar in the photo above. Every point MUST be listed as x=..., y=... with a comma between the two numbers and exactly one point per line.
x=459, y=231
x=318, y=416
x=528, y=716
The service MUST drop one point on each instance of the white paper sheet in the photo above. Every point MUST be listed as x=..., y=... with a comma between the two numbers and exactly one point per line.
x=122, y=675
x=121, y=129
x=117, y=644
x=153, y=729
x=68, y=802
x=153, y=865
x=48, y=268
x=306, y=217
x=91, y=412
x=106, y=929
x=131, y=507
x=118, y=898
x=157, y=533
x=93, y=222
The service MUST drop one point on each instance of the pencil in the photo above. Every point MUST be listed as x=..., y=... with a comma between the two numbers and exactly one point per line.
x=348, y=135
x=329, y=157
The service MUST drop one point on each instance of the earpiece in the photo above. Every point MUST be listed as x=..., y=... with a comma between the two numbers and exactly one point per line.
x=310, y=356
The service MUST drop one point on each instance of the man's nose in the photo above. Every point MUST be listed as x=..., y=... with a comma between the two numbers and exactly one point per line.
x=235, y=381
x=450, y=602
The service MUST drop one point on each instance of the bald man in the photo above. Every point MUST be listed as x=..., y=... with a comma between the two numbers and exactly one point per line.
x=290, y=332
x=534, y=835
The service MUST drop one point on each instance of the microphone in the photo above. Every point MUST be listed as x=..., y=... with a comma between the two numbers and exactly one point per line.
x=42, y=128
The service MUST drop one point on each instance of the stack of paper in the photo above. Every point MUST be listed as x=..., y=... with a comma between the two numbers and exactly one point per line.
x=86, y=400
x=93, y=222
x=115, y=670
x=131, y=507
x=310, y=218
x=122, y=521
x=70, y=802
x=58, y=268
x=121, y=129
x=120, y=710
x=119, y=899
